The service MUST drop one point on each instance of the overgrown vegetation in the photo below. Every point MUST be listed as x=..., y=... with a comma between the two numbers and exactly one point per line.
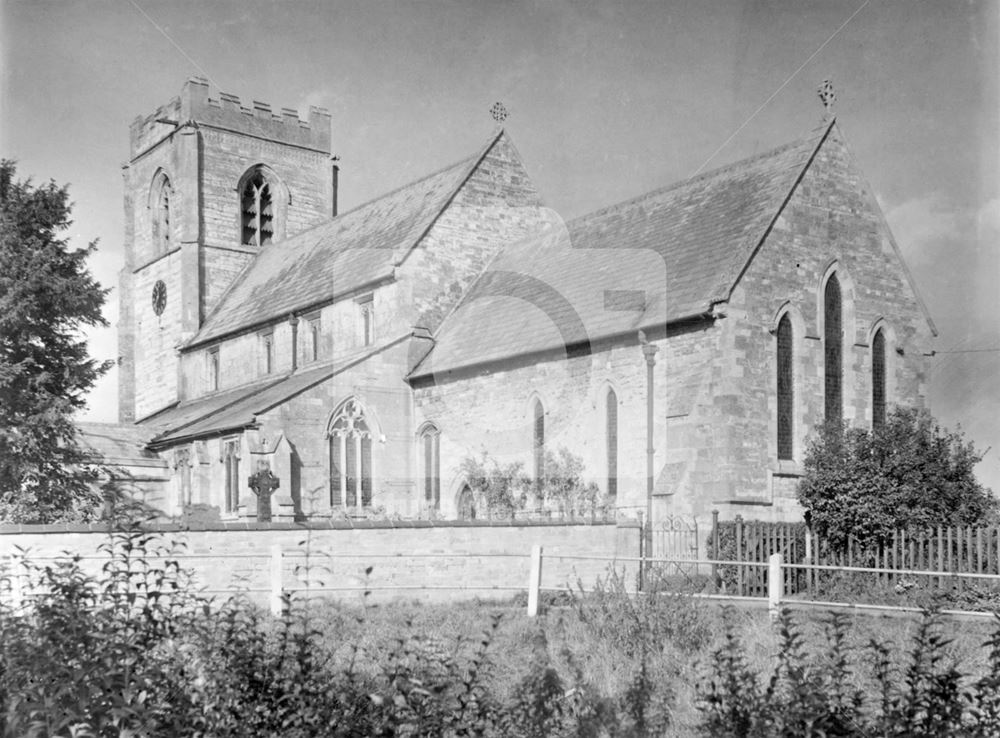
x=503, y=489
x=47, y=295
x=137, y=651
x=839, y=690
x=910, y=473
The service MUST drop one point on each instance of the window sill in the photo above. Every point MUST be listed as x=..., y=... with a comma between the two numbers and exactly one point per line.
x=787, y=468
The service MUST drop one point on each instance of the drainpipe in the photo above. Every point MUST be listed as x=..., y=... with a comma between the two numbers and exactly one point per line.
x=649, y=353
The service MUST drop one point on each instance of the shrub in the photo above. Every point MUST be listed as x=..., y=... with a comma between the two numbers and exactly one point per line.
x=633, y=622
x=909, y=473
x=817, y=693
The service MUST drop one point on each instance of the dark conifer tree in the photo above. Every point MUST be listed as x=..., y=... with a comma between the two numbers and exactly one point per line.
x=47, y=295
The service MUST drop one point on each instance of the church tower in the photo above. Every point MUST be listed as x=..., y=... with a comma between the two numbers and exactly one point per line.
x=208, y=184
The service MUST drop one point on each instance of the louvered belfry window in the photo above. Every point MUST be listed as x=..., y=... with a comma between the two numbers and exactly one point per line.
x=612, y=441
x=833, y=342
x=161, y=217
x=786, y=389
x=257, y=211
x=878, y=379
x=350, y=458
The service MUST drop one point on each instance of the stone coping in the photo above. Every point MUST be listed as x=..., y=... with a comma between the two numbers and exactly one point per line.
x=56, y=528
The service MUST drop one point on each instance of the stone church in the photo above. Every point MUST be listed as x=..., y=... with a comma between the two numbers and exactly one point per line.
x=362, y=356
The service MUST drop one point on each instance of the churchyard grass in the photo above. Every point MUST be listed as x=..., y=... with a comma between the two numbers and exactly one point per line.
x=138, y=653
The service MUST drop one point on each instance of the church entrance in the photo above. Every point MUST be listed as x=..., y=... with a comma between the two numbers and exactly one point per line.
x=466, y=504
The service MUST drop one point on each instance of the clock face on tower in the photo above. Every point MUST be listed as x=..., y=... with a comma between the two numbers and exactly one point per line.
x=159, y=297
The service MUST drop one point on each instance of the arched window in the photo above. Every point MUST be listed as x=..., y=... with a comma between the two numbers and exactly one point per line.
x=257, y=210
x=231, y=460
x=430, y=447
x=878, y=379
x=161, y=213
x=466, y=504
x=786, y=389
x=538, y=446
x=182, y=463
x=350, y=457
x=833, y=351
x=611, y=439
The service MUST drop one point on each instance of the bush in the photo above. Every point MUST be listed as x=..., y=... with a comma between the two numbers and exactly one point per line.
x=134, y=652
x=909, y=473
x=634, y=622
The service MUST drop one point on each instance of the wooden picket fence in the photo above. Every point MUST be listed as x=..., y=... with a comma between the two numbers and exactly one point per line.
x=949, y=550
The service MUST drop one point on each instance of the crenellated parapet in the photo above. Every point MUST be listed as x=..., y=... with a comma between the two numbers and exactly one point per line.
x=228, y=113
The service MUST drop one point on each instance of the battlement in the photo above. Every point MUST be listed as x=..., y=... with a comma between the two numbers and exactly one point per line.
x=227, y=112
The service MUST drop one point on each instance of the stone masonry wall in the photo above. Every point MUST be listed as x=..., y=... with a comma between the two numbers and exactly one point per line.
x=831, y=222
x=497, y=205
x=462, y=560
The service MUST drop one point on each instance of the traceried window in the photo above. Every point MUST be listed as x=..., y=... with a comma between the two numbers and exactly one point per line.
x=878, y=379
x=231, y=460
x=350, y=457
x=833, y=350
x=161, y=214
x=611, y=439
x=257, y=210
x=786, y=389
x=538, y=444
x=430, y=449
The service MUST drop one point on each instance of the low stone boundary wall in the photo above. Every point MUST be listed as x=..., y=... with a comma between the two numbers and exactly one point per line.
x=441, y=560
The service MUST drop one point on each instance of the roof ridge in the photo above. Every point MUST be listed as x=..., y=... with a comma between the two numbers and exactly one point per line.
x=477, y=156
x=698, y=177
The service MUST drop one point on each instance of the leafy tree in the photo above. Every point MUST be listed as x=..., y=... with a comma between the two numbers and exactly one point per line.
x=564, y=485
x=47, y=295
x=505, y=488
x=502, y=487
x=910, y=473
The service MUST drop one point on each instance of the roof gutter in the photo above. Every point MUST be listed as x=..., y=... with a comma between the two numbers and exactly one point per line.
x=711, y=314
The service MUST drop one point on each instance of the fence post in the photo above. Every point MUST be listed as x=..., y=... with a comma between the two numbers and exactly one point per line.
x=740, y=570
x=17, y=574
x=774, y=588
x=535, y=580
x=276, y=576
x=715, y=548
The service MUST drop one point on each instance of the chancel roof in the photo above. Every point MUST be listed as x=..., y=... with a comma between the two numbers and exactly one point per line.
x=659, y=258
x=358, y=247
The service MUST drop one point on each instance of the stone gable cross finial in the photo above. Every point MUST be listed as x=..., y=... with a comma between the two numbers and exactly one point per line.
x=827, y=96
x=499, y=112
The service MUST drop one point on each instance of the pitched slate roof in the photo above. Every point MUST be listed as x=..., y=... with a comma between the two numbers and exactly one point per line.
x=662, y=257
x=239, y=408
x=356, y=248
x=118, y=443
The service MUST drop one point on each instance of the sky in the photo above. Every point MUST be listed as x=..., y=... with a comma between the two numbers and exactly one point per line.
x=607, y=100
